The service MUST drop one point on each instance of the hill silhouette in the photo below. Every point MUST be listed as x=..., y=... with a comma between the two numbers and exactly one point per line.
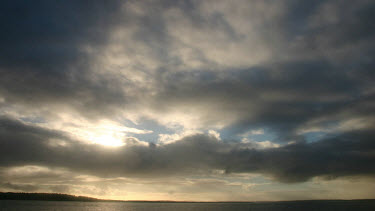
x=44, y=197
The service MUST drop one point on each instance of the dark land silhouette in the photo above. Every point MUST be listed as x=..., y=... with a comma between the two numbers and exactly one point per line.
x=306, y=205
x=45, y=197
x=67, y=197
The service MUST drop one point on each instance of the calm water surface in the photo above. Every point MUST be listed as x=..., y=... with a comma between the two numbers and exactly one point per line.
x=139, y=206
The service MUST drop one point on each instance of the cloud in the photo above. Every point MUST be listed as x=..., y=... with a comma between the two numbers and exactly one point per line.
x=345, y=155
x=165, y=80
x=132, y=60
x=19, y=187
x=45, y=61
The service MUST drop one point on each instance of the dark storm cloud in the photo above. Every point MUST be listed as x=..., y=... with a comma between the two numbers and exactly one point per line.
x=43, y=58
x=280, y=97
x=42, y=61
x=347, y=154
x=46, y=36
x=328, y=73
x=344, y=23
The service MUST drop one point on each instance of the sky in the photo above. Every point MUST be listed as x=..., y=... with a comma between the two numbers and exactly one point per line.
x=213, y=100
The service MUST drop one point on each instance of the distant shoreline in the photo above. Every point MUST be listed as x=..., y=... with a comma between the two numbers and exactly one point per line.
x=45, y=197
x=67, y=197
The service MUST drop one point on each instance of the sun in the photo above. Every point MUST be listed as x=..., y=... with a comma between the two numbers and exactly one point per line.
x=108, y=140
x=102, y=134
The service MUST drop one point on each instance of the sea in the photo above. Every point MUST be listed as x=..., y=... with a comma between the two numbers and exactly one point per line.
x=24, y=205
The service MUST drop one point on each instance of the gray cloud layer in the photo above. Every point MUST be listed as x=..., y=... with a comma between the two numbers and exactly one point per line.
x=344, y=155
x=328, y=62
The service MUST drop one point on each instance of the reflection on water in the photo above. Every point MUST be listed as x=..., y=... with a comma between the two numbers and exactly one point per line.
x=368, y=205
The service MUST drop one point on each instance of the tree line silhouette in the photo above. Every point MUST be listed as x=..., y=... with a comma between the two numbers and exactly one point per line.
x=44, y=197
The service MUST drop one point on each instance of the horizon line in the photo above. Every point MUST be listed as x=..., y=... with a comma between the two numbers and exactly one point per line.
x=170, y=201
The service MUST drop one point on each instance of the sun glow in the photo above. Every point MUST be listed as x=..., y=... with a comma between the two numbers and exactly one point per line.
x=103, y=132
x=108, y=140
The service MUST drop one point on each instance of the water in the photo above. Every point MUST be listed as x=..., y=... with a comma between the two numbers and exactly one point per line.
x=141, y=206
